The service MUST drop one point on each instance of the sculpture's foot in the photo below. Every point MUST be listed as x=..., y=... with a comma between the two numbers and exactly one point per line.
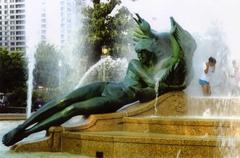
x=13, y=137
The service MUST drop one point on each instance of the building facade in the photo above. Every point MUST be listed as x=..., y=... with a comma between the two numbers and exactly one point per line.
x=57, y=21
x=12, y=25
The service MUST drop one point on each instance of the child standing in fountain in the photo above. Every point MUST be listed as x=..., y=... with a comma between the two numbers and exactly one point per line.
x=208, y=70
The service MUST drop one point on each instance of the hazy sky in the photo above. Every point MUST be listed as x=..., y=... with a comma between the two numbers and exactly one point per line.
x=194, y=15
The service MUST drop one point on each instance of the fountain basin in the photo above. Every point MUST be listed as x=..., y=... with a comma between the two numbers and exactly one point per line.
x=140, y=131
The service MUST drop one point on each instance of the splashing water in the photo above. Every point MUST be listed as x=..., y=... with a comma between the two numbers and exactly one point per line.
x=156, y=98
x=31, y=65
x=179, y=152
x=114, y=69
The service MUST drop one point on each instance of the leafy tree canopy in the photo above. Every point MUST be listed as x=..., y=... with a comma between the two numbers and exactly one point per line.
x=12, y=70
x=102, y=27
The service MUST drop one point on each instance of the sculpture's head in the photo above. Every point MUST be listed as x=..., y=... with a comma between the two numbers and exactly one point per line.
x=145, y=41
x=145, y=51
x=146, y=57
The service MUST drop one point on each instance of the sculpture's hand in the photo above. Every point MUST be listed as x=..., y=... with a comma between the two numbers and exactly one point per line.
x=146, y=94
x=136, y=67
x=164, y=86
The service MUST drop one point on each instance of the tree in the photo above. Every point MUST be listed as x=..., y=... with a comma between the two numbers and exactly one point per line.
x=47, y=66
x=102, y=28
x=13, y=77
x=12, y=70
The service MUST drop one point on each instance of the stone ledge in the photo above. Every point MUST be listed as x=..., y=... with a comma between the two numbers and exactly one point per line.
x=118, y=144
x=183, y=125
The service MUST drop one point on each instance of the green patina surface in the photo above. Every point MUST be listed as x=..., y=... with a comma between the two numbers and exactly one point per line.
x=163, y=58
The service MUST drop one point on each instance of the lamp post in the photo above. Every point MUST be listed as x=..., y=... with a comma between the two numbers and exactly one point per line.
x=105, y=50
x=105, y=53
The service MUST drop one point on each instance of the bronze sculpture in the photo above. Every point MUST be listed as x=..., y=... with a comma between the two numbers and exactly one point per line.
x=164, y=58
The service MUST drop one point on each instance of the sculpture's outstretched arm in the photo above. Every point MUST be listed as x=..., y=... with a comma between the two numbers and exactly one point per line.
x=136, y=67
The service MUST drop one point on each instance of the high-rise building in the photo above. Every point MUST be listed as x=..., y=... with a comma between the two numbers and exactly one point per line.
x=12, y=25
x=57, y=21
x=43, y=21
x=67, y=20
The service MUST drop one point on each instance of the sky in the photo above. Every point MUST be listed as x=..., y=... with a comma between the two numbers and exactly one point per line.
x=196, y=16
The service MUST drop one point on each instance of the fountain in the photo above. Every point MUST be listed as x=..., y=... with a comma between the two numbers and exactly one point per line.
x=186, y=126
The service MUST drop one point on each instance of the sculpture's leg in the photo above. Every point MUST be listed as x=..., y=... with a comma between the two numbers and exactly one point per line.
x=59, y=104
x=53, y=107
x=91, y=106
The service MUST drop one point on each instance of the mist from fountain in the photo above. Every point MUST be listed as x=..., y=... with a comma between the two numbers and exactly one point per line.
x=31, y=65
x=114, y=69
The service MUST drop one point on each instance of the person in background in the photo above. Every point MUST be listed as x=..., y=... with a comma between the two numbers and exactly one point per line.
x=208, y=70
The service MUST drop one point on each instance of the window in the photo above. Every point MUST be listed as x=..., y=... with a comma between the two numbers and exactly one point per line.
x=20, y=43
x=20, y=33
x=20, y=38
x=20, y=11
x=43, y=31
x=43, y=25
x=20, y=5
x=19, y=27
x=43, y=20
x=20, y=48
x=20, y=22
x=20, y=16
x=43, y=36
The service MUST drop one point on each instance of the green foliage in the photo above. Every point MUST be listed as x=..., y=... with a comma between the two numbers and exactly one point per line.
x=13, y=77
x=102, y=28
x=47, y=66
x=18, y=97
x=12, y=70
